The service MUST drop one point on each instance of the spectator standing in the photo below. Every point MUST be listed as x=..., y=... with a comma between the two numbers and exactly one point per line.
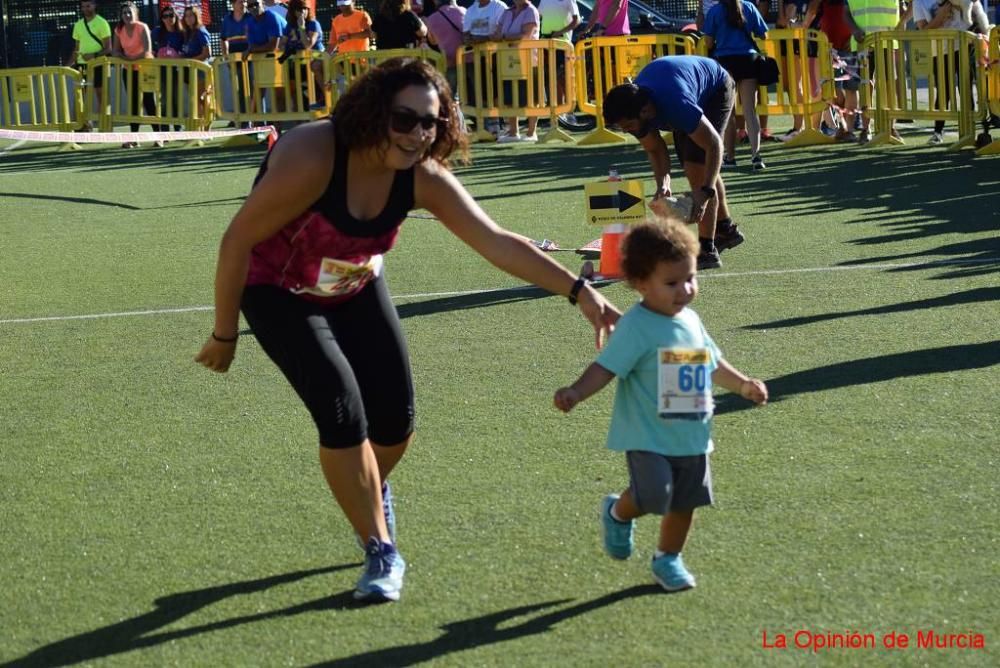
x=303, y=259
x=235, y=26
x=559, y=19
x=666, y=364
x=397, y=27
x=480, y=23
x=132, y=41
x=693, y=97
x=729, y=30
x=168, y=41
x=276, y=7
x=444, y=30
x=196, y=47
x=303, y=33
x=351, y=29
x=519, y=21
x=264, y=30
x=609, y=19
x=928, y=15
x=873, y=16
x=91, y=39
x=836, y=22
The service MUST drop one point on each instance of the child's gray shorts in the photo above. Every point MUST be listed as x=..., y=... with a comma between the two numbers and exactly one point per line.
x=660, y=483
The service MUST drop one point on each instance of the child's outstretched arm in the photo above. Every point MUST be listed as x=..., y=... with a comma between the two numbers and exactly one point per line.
x=590, y=382
x=749, y=388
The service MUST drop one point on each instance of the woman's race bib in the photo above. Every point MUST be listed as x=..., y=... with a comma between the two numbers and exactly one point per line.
x=684, y=387
x=339, y=277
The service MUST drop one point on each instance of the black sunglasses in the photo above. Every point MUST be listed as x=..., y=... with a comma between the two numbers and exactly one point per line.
x=168, y=15
x=403, y=121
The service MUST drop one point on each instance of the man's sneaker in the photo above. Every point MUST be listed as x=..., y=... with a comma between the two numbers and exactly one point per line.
x=669, y=572
x=864, y=137
x=790, y=135
x=709, y=259
x=383, y=576
x=619, y=537
x=731, y=238
x=936, y=138
x=728, y=163
x=757, y=162
x=765, y=135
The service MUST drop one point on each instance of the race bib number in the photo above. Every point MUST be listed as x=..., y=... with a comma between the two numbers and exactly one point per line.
x=338, y=277
x=685, y=383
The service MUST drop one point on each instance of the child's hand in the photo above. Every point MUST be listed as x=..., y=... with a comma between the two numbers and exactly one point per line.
x=755, y=390
x=566, y=398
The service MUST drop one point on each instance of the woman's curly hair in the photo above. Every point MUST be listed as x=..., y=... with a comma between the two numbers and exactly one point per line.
x=362, y=113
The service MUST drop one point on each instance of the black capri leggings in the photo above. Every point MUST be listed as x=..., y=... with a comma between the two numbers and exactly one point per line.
x=348, y=362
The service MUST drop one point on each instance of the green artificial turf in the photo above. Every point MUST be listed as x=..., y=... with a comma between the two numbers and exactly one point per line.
x=153, y=513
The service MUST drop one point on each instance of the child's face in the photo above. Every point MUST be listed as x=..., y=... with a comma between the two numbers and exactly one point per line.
x=671, y=286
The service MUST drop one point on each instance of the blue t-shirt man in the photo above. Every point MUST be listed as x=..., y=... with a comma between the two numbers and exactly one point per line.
x=645, y=346
x=732, y=41
x=262, y=30
x=233, y=28
x=680, y=87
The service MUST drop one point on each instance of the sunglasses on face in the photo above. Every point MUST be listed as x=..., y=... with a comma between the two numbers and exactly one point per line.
x=403, y=121
x=168, y=15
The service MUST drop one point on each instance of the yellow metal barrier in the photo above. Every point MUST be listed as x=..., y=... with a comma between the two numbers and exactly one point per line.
x=155, y=91
x=345, y=68
x=41, y=98
x=519, y=79
x=941, y=58
x=261, y=87
x=989, y=87
x=605, y=62
x=805, y=84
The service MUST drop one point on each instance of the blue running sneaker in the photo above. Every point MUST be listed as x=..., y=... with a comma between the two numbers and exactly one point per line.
x=619, y=537
x=669, y=571
x=383, y=577
x=388, y=512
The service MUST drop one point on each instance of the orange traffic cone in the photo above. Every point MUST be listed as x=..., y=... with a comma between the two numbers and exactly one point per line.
x=272, y=138
x=611, y=254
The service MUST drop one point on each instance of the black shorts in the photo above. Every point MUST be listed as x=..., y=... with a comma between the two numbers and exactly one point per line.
x=348, y=362
x=740, y=67
x=717, y=112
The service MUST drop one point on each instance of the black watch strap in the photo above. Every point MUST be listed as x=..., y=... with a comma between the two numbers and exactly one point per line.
x=574, y=292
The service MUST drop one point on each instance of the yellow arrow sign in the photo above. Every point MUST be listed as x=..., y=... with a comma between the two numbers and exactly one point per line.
x=610, y=202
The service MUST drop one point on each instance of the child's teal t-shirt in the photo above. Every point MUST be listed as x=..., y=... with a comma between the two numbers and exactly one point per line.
x=664, y=365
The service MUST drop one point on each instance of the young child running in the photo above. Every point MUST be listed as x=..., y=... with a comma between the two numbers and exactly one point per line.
x=666, y=364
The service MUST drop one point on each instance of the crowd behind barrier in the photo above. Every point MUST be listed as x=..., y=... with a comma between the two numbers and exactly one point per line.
x=948, y=76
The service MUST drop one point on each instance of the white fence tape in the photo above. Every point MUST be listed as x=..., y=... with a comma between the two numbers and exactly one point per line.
x=122, y=137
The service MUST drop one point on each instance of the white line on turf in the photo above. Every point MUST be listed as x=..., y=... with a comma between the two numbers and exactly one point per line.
x=21, y=142
x=462, y=293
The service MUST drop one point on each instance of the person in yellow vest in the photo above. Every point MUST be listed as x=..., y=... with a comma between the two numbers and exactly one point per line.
x=873, y=16
x=91, y=39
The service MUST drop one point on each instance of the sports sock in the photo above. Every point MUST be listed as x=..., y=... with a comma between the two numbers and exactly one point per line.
x=659, y=553
x=615, y=517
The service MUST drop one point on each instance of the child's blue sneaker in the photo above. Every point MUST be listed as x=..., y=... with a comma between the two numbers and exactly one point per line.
x=669, y=571
x=383, y=576
x=619, y=537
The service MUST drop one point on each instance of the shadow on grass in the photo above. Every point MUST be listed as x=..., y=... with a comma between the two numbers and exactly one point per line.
x=119, y=205
x=872, y=370
x=132, y=634
x=475, y=300
x=953, y=299
x=485, y=630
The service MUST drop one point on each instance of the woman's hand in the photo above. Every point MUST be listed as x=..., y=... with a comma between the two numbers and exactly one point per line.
x=217, y=355
x=601, y=313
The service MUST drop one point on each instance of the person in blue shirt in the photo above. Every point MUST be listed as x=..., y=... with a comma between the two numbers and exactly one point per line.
x=693, y=97
x=196, y=47
x=235, y=26
x=729, y=29
x=303, y=33
x=264, y=30
x=666, y=364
